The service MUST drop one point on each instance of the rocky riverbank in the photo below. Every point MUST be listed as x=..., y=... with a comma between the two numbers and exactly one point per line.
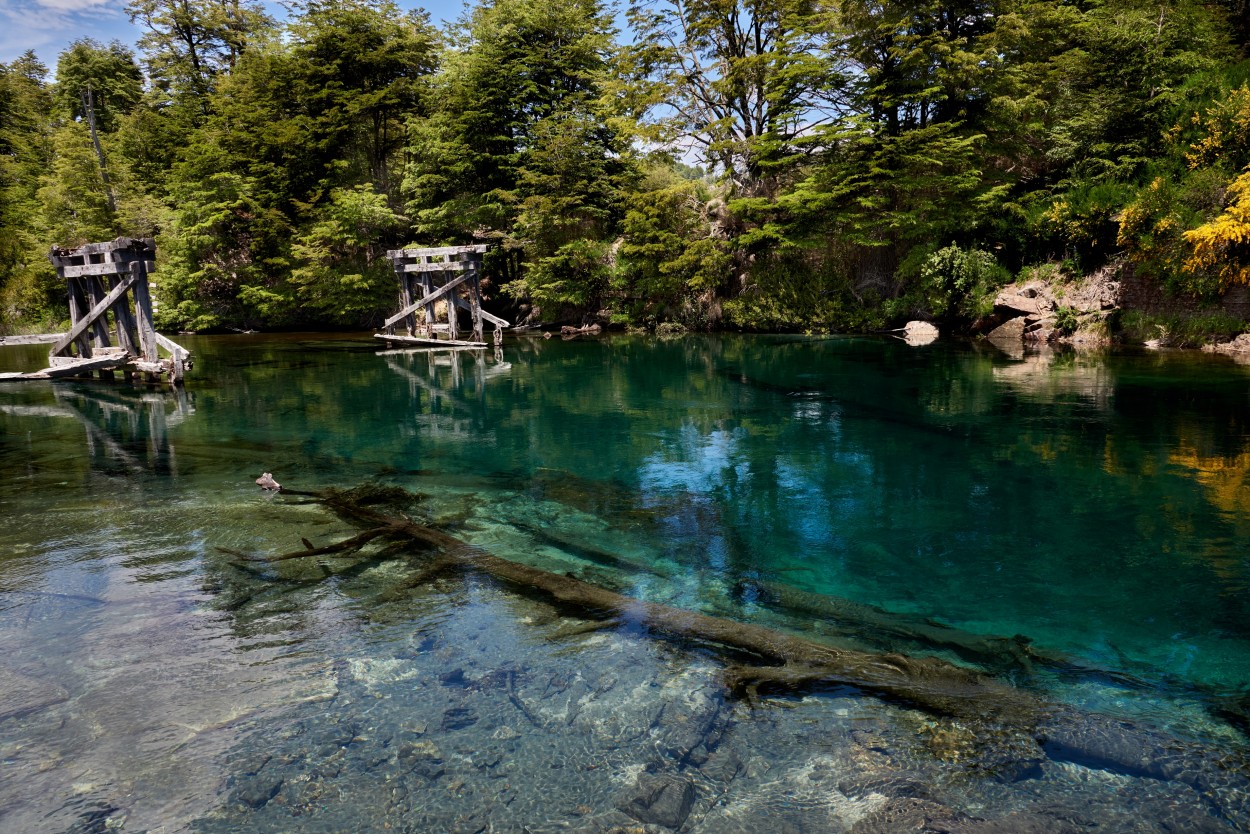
x=1095, y=310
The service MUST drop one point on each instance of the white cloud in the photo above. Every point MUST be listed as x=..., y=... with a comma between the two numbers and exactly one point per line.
x=73, y=5
x=48, y=26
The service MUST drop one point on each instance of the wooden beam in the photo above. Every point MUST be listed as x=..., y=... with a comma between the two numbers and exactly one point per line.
x=428, y=299
x=437, y=251
x=114, y=268
x=143, y=310
x=98, y=310
x=450, y=266
x=34, y=339
x=101, y=248
x=96, y=295
x=84, y=366
x=77, y=307
x=433, y=343
x=464, y=305
x=178, y=357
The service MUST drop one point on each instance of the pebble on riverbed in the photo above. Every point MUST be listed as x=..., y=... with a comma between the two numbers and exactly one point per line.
x=496, y=724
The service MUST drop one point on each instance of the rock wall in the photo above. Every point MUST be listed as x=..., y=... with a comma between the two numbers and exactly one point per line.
x=1141, y=292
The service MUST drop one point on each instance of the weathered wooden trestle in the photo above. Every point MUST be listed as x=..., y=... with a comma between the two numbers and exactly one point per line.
x=110, y=310
x=434, y=284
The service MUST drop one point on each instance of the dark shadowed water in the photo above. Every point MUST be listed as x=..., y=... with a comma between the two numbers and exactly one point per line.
x=1093, y=512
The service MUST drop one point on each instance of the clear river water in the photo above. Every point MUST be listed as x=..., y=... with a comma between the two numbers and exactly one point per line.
x=1076, y=527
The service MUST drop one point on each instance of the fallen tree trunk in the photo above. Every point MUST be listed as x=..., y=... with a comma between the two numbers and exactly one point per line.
x=763, y=657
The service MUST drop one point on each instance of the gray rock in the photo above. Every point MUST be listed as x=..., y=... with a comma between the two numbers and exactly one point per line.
x=458, y=718
x=1030, y=299
x=21, y=695
x=914, y=815
x=661, y=799
x=255, y=791
x=1011, y=330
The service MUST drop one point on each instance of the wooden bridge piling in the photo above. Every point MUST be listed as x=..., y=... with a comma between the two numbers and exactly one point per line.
x=446, y=278
x=103, y=279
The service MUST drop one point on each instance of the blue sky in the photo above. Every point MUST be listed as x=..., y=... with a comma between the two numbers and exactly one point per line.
x=48, y=26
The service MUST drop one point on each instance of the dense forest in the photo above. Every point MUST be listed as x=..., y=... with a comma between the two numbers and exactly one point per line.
x=759, y=164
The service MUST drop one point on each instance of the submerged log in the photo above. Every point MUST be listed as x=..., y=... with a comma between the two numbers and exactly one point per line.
x=760, y=657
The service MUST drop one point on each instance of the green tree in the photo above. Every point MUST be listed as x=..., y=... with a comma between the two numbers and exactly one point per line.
x=189, y=43
x=671, y=259
x=522, y=150
x=341, y=271
x=106, y=75
x=28, y=292
x=739, y=83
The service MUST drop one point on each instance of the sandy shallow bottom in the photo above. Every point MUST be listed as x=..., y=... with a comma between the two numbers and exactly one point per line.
x=172, y=690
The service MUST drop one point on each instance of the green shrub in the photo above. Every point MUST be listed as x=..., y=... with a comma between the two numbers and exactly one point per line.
x=1066, y=320
x=959, y=282
x=1136, y=327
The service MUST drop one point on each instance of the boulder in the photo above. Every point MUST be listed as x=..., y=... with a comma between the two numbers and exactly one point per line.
x=1011, y=330
x=1030, y=299
x=1241, y=344
x=918, y=333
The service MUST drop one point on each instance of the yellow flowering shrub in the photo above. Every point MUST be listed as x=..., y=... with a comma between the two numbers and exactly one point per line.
x=1222, y=245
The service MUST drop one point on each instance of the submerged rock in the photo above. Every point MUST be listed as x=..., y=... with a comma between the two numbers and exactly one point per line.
x=22, y=695
x=663, y=799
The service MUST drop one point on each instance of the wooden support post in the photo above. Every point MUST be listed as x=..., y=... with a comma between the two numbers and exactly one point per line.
x=98, y=277
x=440, y=272
x=427, y=316
x=78, y=308
x=143, y=310
x=99, y=322
x=127, y=335
x=475, y=298
x=453, y=324
x=405, y=297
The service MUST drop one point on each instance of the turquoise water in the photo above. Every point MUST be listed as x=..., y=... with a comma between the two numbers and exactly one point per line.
x=853, y=490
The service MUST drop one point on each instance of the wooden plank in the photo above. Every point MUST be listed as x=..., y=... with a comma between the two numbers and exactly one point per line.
x=84, y=366
x=96, y=269
x=178, y=357
x=34, y=410
x=171, y=346
x=451, y=266
x=417, y=340
x=83, y=323
x=117, y=353
x=161, y=368
x=437, y=251
x=428, y=299
x=493, y=319
x=32, y=339
x=13, y=376
x=101, y=248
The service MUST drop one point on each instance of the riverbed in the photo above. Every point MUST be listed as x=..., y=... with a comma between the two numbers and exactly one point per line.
x=1086, y=514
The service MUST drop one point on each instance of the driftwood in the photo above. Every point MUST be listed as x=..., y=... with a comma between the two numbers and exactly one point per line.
x=760, y=658
x=584, y=330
